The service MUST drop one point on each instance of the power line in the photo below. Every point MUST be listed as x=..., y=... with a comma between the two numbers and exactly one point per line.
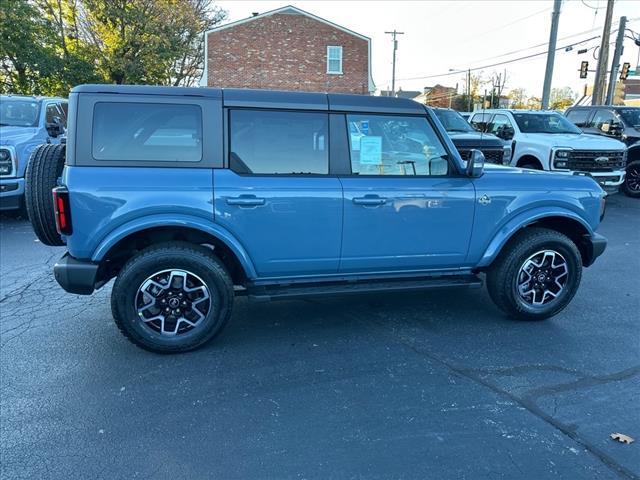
x=500, y=27
x=457, y=72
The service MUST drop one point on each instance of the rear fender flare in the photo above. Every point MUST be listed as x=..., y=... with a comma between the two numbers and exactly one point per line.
x=184, y=221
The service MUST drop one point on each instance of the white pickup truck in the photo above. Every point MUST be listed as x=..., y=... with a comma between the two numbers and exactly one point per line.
x=546, y=140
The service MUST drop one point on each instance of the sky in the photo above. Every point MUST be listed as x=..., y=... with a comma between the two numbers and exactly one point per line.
x=440, y=36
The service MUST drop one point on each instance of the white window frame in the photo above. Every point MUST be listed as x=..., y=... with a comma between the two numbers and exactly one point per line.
x=329, y=49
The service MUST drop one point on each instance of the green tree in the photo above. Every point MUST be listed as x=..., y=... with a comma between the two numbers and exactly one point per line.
x=48, y=46
x=561, y=98
x=518, y=97
x=149, y=41
x=27, y=52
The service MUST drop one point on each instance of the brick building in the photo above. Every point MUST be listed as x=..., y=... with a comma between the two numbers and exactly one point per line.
x=288, y=49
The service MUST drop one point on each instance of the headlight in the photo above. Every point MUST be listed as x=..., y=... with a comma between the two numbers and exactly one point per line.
x=506, y=157
x=562, y=154
x=6, y=165
x=560, y=164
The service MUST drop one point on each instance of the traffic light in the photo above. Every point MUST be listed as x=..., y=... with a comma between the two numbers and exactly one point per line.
x=624, y=73
x=583, y=69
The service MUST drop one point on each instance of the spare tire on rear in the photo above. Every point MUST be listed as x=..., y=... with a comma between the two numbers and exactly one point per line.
x=43, y=170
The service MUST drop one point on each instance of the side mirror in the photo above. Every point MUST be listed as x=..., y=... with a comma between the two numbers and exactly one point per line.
x=475, y=164
x=506, y=133
x=55, y=128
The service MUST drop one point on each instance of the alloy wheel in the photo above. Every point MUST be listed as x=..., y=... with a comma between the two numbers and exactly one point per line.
x=173, y=302
x=542, y=278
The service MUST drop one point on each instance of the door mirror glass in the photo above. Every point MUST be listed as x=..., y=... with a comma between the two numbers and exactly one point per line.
x=55, y=127
x=506, y=132
x=475, y=164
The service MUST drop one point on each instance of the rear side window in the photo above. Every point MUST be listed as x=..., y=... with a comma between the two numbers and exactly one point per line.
x=579, y=117
x=147, y=132
x=271, y=142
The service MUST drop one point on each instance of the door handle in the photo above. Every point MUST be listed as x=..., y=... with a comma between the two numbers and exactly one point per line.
x=246, y=201
x=369, y=200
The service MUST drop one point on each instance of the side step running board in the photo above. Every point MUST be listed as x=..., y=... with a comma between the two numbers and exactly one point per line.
x=348, y=288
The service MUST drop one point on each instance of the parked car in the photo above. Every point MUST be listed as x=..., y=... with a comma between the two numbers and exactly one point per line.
x=25, y=122
x=466, y=138
x=621, y=123
x=544, y=140
x=190, y=196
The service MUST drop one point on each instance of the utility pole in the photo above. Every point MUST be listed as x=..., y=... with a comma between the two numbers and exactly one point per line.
x=616, y=60
x=393, y=73
x=603, y=58
x=551, y=53
x=469, y=98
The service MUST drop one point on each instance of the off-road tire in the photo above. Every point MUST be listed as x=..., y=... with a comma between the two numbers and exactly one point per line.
x=502, y=276
x=633, y=175
x=43, y=170
x=172, y=255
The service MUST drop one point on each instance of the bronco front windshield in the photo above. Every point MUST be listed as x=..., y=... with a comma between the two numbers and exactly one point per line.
x=452, y=121
x=544, y=123
x=19, y=113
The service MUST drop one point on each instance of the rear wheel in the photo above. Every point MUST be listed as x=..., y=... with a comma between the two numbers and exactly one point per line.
x=631, y=185
x=536, y=275
x=43, y=170
x=172, y=297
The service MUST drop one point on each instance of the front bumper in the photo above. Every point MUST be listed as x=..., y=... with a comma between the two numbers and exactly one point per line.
x=11, y=193
x=595, y=246
x=76, y=276
x=609, y=181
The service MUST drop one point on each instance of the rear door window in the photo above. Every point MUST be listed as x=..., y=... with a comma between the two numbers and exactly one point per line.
x=147, y=132
x=277, y=142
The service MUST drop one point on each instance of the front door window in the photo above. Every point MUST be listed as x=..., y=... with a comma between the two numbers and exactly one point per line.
x=393, y=145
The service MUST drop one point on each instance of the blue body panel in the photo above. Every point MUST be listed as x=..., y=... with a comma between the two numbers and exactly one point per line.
x=289, y=225
x=424, y=223
x=519, y=197
x=108, y=200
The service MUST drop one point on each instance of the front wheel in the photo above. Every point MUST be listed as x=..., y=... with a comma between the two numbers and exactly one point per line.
x=172, y=297
x=631, y=185
x=536, y=275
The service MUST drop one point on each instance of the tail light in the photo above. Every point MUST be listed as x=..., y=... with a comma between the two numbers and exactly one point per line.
x=62, y=210
x=603, y=206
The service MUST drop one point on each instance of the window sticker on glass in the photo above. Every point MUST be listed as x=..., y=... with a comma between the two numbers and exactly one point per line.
x=371, y=150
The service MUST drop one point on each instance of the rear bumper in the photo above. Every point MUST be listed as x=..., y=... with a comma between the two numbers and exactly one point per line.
x=596, y=245
x=11, y=193
x=76, y=276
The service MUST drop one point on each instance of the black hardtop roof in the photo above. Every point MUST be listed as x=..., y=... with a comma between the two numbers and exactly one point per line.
x=240, y=97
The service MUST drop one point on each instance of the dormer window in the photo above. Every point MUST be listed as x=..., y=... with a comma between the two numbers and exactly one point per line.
x=334, y=60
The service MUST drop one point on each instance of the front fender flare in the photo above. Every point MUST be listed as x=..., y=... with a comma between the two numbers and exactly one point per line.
x=521, y=220
x=173, y=220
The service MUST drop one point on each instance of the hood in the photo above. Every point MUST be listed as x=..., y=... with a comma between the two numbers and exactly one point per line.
x=538, y=179
x=16, y=135
x=474, y=139
x=576, y=141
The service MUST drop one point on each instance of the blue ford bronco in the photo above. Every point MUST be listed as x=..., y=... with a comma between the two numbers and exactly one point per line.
x=191, y=196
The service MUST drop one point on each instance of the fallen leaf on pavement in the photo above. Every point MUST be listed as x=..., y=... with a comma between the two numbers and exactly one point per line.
x=622, y=438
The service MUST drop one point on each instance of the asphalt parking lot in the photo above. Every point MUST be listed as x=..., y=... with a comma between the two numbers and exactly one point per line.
x=429, y=385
